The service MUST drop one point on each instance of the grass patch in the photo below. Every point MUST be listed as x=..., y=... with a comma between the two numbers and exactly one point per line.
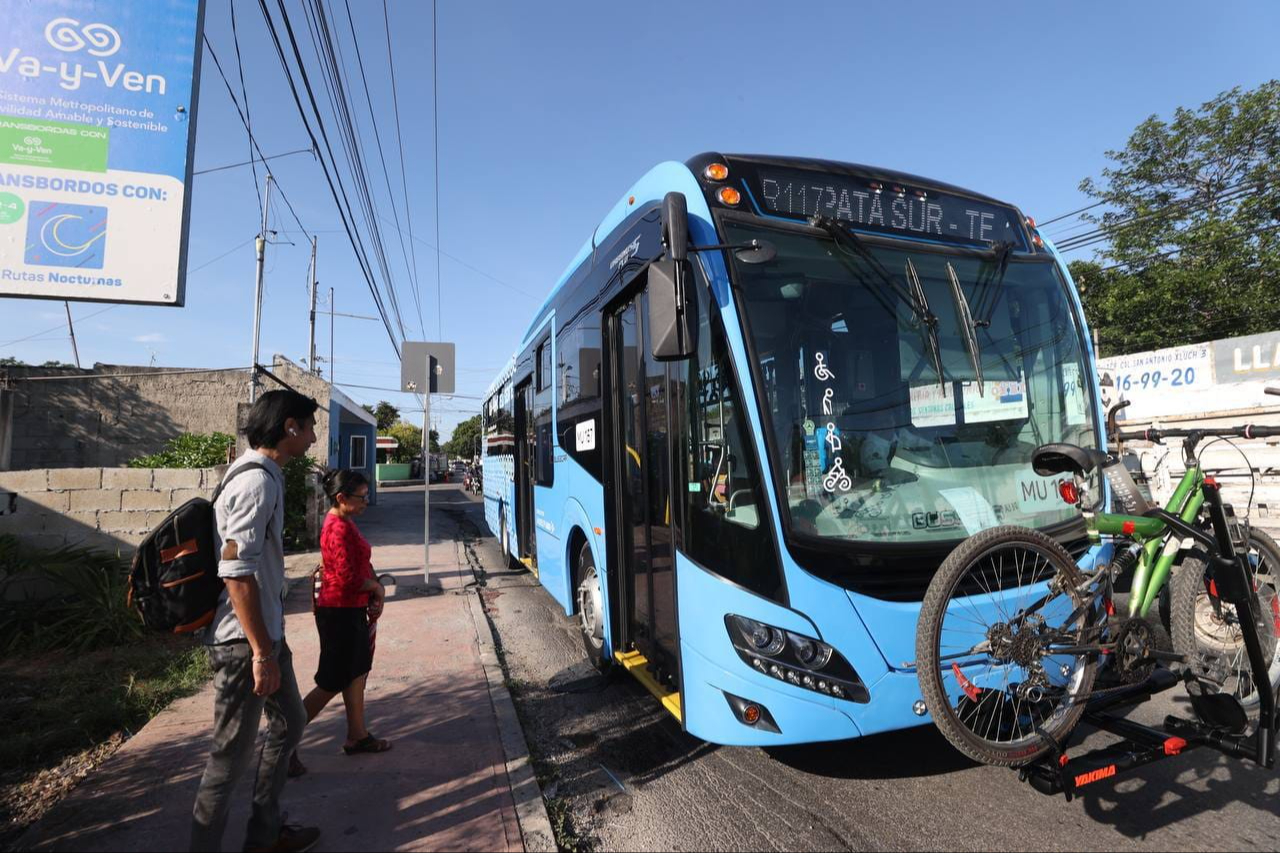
x=78, y=675
x=62, y=704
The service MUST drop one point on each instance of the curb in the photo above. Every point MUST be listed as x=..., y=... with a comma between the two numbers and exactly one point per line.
x=531, y=809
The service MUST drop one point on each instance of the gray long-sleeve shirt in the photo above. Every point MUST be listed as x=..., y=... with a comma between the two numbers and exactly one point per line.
x=250, y=512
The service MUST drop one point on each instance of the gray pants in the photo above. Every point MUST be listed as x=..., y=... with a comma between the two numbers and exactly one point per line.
x=236, y=713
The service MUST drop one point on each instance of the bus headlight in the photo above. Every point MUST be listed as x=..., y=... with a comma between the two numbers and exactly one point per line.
x=795, y=659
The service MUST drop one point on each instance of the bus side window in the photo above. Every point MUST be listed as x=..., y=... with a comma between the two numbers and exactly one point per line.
x=725, y=529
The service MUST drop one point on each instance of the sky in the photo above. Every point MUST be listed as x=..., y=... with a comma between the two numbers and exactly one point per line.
x=549, y=111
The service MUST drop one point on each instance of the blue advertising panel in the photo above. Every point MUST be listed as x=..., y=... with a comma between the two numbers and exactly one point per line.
x=97, y=135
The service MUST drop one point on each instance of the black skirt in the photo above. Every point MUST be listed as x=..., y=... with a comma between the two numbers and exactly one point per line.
x=344, y=646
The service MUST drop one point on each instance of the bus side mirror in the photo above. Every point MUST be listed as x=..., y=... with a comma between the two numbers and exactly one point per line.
x=672, y=329
x=675, y=226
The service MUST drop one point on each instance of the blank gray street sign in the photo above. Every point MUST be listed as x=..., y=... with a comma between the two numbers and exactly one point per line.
x=413, y=366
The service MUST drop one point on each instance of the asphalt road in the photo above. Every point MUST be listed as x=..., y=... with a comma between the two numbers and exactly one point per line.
x=619, y=773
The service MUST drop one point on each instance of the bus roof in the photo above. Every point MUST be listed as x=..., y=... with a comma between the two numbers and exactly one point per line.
x=672, y=175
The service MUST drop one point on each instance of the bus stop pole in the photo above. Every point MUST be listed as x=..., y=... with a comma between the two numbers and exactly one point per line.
x=426, y=478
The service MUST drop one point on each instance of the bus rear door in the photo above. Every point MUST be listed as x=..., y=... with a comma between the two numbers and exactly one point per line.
x=526, y=454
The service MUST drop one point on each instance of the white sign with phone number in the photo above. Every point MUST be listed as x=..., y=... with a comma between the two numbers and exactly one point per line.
x=1162, y=382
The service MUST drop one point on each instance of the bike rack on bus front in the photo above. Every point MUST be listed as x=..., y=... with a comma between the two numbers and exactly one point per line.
x=1058, y=773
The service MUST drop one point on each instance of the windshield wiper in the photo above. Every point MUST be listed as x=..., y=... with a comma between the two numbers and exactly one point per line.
x=967, y=325
x=988, y=289
x=850, y=243
x=915, y=297
x=928, y=320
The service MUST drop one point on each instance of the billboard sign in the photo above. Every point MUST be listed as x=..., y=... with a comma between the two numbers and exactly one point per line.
x=97, y=133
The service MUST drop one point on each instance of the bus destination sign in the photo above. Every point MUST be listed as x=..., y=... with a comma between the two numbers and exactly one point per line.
x=887, y=208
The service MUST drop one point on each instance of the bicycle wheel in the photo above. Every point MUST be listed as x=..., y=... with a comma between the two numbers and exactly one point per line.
x=993, y=615
x=1204, y=626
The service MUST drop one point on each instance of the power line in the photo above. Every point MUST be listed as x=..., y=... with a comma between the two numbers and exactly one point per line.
x=404, y=184
x=332, y=67
x=55, y=328
x=1072, y=213
x=248, y=117
x=435, y=135
x=461, y=262
x=1189, y=204
x=333, y=70
x=1193, y=246
x=333, y=190
x=209, y=45
x=249, y=162
x=377, y=136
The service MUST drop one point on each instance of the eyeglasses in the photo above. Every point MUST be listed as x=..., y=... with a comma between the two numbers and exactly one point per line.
x=364, y=497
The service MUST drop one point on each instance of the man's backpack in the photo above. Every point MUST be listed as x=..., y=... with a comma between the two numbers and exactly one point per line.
x=174, y=582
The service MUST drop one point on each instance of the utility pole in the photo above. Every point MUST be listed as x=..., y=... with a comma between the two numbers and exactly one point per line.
x=74, y=349
x=311, y=348
x=257, y=292
x=331, y=368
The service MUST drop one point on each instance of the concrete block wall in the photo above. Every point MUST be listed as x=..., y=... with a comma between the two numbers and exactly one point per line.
x=107, y=508
x=113, y=413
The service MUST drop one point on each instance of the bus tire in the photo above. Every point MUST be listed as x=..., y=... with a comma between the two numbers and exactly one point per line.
x=1199, y=629
x=590, y=609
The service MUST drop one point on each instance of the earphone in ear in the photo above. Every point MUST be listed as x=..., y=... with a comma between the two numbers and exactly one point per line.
x=293, y=432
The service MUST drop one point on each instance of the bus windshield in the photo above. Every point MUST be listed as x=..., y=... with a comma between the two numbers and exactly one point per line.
x=906, y=388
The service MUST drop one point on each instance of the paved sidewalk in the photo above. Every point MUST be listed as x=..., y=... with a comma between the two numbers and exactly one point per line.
x=435, y=692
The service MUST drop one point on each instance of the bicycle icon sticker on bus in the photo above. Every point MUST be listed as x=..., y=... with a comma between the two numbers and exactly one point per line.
x=66, y=235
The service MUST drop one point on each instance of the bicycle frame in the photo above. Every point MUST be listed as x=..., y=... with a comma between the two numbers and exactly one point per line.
x=1154, y=562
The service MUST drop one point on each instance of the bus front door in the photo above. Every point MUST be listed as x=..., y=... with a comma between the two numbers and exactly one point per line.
x=526, y=453
x=643, y=487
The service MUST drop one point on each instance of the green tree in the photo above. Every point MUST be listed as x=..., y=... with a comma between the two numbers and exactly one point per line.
x=385, y=413
x=435, y=441
x=410, y=438
x=465, y=439
x=1192, y=215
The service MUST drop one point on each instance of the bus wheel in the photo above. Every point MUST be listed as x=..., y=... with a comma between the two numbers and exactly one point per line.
x=591, y=610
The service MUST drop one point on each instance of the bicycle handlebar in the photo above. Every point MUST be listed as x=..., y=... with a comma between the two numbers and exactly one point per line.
x=1158, y=434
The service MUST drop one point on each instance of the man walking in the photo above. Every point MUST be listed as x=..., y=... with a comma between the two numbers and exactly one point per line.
x=252, y=665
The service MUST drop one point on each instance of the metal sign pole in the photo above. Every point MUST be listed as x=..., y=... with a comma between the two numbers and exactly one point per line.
x=426, y=477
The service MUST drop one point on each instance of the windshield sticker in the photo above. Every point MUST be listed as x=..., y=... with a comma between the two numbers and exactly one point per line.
x=833, y=439
x=586, y=437
x=975, y=513
x=997, y=401
x=827, y=396
x=932, y=405
x=837, y=478
x=1073, y=399
x=821, y=371
x=810, y=427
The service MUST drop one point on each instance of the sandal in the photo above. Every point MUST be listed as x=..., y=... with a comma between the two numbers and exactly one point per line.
x=368, y=743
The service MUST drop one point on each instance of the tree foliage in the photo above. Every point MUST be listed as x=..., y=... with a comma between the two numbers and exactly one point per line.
x=464, y=442
x=385, y=413
x=410, y=438
x=1192, y=224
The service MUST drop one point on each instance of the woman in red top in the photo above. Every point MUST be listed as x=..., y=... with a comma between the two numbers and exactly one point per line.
x=349, y=595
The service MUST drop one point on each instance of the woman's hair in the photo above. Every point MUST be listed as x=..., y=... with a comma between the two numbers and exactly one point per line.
x=342, y=481
x=264, y=425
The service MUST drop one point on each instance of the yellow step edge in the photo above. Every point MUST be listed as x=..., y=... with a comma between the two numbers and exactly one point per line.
x=530, y=564
x=638, y=665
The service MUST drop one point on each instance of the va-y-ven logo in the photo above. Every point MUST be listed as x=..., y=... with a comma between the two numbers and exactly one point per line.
x=97, y=40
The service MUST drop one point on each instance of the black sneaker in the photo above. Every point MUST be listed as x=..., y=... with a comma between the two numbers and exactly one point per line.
x=296, y=767
x=292, y=839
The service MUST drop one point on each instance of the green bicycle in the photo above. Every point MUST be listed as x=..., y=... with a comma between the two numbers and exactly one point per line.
x=1013, y=632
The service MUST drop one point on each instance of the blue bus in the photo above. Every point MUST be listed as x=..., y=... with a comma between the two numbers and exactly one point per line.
x=765, y=400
